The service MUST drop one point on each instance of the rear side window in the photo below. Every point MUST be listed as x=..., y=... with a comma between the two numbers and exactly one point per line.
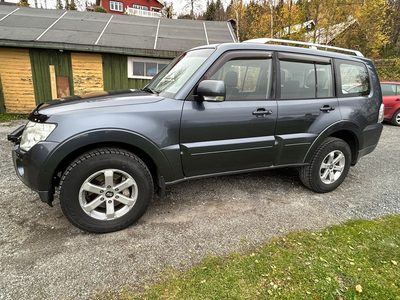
x=305, y=80
x=354, y=78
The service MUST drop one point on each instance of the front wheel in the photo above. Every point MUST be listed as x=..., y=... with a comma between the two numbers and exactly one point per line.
x=328, y=167
x=105, y=190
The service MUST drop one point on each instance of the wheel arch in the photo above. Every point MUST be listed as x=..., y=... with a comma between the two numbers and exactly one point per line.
x=72, y=148
x=348, y=132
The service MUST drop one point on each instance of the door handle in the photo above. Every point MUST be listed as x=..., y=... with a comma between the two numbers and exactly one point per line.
x=261, y=112
x=398, y=99
x=327, y=108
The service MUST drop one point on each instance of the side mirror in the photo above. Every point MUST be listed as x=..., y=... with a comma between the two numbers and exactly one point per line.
x=212, y=90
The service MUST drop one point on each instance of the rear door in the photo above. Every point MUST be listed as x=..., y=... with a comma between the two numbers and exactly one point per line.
x=306, y=104
x=238, y=133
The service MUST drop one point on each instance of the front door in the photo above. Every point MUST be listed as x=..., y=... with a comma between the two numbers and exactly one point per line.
x=238, y=133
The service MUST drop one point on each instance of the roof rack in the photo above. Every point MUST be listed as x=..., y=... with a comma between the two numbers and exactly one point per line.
x=310, y=45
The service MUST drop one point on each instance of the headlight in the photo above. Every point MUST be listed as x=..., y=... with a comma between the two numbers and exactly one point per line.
x=34, y=133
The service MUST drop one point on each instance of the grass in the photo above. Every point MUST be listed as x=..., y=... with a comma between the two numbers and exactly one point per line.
x=12, y=117
x=359, y=260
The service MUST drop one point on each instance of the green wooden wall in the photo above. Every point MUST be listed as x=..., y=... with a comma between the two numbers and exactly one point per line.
x=115, y=74
x=2, y=108
x=41, y=59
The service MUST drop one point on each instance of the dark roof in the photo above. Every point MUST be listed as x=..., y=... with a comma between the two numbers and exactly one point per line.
x=6, y=3
x=100, y=32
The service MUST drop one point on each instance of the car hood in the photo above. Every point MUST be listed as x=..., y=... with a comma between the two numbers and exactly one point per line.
x=91, y=101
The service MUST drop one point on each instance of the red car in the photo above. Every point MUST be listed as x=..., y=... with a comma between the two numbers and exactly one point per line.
x=391, y=99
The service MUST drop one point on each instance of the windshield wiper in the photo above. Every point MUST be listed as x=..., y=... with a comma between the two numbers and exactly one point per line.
x=147, y=89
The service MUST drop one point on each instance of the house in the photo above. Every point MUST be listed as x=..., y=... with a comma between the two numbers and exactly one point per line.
x=143, y=8
x=46, y=54
x=324, y=36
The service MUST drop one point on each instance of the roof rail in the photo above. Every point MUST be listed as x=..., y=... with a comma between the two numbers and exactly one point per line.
x=310, y=45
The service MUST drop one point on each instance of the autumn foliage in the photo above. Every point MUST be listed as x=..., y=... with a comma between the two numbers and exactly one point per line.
x=371, y=26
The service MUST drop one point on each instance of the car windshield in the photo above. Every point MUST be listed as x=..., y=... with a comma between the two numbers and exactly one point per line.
x=177, y=73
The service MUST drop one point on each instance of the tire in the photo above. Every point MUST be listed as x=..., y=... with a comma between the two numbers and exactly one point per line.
x=328, y=167
x=105, y=190
x=396, y=118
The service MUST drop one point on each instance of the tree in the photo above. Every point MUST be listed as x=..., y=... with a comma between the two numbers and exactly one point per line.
x=168, y=11
x=23, y=3
x=210, y=14
x=369, y=31
x=219, y=11
x=193, y=6
x=59, y=5
x=237, y=10
x=394, y=23
x=72, y=6
x=100, y=9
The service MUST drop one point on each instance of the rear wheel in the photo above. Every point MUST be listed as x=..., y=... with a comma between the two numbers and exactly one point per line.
x=105, y=190
x=396, y=118
x=328, y=167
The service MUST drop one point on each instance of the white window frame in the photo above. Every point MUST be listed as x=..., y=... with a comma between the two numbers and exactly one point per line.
x=132, y=59
x=142, y=7
x=117, y=6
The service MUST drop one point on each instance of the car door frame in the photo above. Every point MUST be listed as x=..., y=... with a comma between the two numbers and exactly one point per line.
x=198, y=104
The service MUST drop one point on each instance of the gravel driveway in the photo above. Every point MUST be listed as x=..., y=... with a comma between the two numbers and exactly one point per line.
x=44, y=257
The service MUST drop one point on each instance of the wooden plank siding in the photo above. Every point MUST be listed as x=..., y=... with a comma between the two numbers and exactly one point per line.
x=2, y=106
x=16, y=78
x=87, y=69
x=115, y=73
x=25, y=75
x=41, y=59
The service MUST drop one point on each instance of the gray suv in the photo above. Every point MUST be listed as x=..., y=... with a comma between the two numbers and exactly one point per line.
x=214, y=110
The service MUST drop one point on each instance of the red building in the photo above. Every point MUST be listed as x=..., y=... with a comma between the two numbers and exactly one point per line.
x=145, y=8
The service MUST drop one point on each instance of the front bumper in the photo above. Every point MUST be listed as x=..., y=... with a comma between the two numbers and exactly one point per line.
x=31, y=170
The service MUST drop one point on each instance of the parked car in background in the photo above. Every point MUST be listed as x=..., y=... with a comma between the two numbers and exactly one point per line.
x=214, y=110
x=391, y=99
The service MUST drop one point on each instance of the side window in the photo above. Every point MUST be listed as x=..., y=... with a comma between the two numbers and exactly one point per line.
x=246, y=78
x=302, y=80
x=398, y=89
x=354, y=79
x=388, y=89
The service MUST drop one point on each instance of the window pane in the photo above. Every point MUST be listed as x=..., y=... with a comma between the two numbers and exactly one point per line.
x=297, y=80
x=151, y=69
x=354, y=78
x=161, y=66
x=138, y=68
x=398, y=89
x=324, y=81
x=251, y=79
x=172, y=78
x=246, y=79
x=388, y=89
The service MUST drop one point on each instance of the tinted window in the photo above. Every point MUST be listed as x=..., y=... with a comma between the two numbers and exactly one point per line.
x=388, y=89
x=354, y=78
x=300, y=80
x=246, y=78
x=138, y=68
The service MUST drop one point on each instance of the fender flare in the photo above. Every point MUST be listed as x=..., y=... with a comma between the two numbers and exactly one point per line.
x=97, y=138
x=344, y=126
